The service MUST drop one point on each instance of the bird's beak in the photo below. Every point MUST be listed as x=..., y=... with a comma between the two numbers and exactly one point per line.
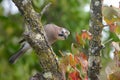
x=65, y=35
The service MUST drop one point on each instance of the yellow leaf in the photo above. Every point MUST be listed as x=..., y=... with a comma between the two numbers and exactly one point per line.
x=111, y=14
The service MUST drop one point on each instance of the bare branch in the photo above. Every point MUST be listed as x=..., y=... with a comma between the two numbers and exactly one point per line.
x=45, y=9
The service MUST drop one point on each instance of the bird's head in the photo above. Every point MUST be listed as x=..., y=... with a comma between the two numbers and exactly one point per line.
x=63, y=34
x=54, y=33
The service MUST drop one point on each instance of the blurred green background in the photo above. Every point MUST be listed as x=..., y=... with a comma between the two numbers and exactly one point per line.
x=71, y=14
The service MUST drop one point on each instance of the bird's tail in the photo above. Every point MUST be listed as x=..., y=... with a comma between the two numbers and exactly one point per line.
x=21, y=51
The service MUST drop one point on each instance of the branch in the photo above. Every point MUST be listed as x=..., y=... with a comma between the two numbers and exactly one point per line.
x=94, y=59
x=45, y=9
x=35, y=35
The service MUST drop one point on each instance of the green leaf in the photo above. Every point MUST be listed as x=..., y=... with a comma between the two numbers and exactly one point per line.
x=0, y=1
x=114, y=37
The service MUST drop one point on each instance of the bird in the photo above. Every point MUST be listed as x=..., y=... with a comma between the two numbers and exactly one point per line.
x=53, y=33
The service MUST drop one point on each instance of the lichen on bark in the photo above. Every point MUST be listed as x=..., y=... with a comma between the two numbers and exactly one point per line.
x=35, y=36
x=95, y=46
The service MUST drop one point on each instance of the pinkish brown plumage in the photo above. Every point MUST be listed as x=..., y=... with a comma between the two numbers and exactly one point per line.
x=53, y=33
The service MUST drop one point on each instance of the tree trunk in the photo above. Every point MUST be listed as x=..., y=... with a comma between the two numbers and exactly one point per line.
x=96, y=27
x=35, y=35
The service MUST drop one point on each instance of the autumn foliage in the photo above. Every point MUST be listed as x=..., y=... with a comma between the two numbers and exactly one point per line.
x=111, y=16
x=74, y=65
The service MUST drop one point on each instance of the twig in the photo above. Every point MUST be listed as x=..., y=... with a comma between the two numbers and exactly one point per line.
x=107, y=41
x=45, y=9
x=61, y=53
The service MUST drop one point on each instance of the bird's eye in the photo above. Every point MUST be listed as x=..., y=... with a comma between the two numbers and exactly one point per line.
x=62, y=31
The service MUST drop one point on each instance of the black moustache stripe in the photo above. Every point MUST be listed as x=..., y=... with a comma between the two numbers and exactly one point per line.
x=60, y=35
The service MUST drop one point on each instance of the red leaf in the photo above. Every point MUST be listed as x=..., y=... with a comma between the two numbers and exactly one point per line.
x=75, y=76
x=82, y=58
x=112, y=27
x=79, y=39
x=86, y=35
x=82, y=55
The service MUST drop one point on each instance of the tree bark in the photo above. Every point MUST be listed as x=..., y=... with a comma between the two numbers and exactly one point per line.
x=96, y=27
x=35, y=35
